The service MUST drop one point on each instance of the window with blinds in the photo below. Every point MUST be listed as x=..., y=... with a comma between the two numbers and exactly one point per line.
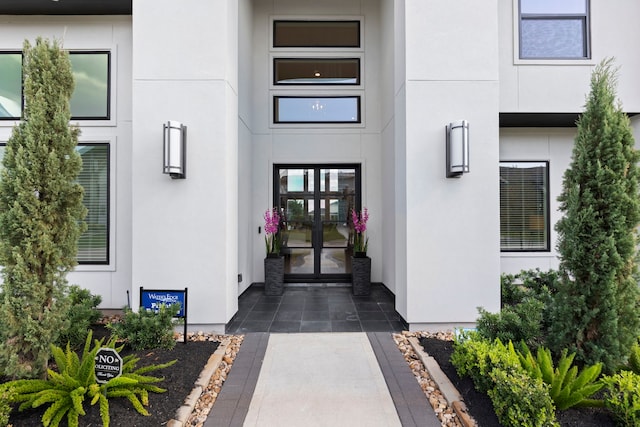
x=93, y=246
x=524, y=206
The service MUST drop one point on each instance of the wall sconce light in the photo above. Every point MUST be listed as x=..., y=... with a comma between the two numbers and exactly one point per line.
x=457, y=148
x=175, y=149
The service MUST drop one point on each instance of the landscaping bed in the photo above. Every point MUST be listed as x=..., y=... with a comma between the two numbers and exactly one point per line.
x=479, y=405
x=178, y=380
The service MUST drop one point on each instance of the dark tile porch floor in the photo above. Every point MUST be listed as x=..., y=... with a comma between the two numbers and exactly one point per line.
x=316, y=308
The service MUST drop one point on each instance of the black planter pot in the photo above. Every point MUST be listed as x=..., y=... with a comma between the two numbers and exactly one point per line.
x=273, y=275
x=361, y=275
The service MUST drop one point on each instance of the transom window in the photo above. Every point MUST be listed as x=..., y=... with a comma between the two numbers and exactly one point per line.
x=328, y=56
x=316, y=71
x=90, y=99
x=316, y=33
x=93, y=246
x=554, y=29
x=318, y=109
x=524, y=206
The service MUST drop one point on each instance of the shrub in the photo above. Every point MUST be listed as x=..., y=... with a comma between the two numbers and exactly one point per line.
x=633, y=363
x=526, y=303
x=147, y=329
x=477, y=357
x=521, y=322
x=537, y=284
x=6, y=395
x=566, y=387
x=82, y=314
x=495, y=368
x=65, y=391
x=520, y=401
x=622, y=397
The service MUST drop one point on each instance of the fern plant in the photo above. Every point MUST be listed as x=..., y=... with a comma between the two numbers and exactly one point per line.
x=567, y=388
x=66, y=390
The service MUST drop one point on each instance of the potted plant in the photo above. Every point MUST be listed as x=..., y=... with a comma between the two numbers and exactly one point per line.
x=360, y=262
x=274, y=262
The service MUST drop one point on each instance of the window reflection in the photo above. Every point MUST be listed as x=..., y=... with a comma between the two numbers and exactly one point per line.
x=316, y=71
x=339, y=109
x=90, y=98
x=10, y=85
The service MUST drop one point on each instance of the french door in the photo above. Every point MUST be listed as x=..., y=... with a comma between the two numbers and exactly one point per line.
x=317, y=233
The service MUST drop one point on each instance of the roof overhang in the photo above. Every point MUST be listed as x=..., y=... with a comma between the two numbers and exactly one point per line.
x=541, y=120
x=65, y=7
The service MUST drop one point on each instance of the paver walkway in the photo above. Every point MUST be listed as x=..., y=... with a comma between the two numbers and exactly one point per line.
x=321, y=379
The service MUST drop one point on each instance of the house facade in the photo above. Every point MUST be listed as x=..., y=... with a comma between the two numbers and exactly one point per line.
x=316, y=108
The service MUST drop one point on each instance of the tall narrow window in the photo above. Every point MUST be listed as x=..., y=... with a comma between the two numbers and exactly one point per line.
x=524, y=206
x=90, y=98
x=554, y=29
x=10, y=85
x=93, y=247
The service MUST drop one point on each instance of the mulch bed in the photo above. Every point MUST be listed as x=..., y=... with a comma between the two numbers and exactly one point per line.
x=479, y=405
x=179, y=380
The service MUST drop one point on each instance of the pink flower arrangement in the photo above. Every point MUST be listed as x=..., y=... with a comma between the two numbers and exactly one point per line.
x=360, y=242
x=271, y=228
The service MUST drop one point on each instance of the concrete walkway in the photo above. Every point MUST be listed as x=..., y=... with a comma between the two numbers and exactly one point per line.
x=321, y=379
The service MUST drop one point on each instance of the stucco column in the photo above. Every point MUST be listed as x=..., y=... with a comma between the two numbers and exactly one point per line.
x=185, y=231
x=452, y=225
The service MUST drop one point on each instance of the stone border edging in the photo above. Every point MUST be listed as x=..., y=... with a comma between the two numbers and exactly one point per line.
x=184, y=412
x=448, y=390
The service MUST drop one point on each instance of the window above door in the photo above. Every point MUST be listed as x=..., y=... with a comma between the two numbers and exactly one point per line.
x=316, y=33
x=325, y=54
x=316, y=71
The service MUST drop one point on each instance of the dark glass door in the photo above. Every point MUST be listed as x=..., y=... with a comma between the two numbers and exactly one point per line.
x=317, y=235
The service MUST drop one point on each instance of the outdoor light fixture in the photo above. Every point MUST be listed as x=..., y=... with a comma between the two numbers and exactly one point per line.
x=457, y=148
x=175, y=149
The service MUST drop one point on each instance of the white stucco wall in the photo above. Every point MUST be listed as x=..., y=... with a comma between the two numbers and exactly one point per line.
x=185, y=232
x=558, y=86
x=452, y=225
x=246, y=171
x=111, y=281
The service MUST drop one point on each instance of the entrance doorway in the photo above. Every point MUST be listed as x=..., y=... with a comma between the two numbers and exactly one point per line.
x=317, y=233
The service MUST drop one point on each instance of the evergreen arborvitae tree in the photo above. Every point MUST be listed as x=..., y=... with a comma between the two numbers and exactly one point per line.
x=41, y=213
x=596, y=310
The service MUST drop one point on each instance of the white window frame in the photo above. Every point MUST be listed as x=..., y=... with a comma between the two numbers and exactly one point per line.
x=316, y=90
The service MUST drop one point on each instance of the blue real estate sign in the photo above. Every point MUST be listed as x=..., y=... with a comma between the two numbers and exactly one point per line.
x=152, y=299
